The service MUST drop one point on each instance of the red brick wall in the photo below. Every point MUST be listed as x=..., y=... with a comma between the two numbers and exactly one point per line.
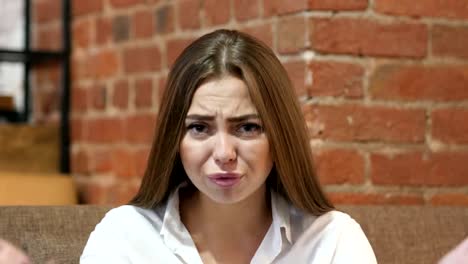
x=384, y=87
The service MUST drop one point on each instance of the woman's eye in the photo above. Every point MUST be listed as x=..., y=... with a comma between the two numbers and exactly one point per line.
x=197, y=129
x=250, y=129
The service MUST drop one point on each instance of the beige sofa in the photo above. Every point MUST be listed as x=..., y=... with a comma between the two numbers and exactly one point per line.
x=398, y=234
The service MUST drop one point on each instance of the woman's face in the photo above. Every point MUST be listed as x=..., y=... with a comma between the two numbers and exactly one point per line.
x=224, y=151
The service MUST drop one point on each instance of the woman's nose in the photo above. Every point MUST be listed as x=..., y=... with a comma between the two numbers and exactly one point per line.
x=224, y=149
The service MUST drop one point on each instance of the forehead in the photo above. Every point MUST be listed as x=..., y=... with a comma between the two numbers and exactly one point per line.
x=225, y=95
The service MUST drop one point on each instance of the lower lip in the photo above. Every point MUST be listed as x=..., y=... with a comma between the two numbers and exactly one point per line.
x=225, y=182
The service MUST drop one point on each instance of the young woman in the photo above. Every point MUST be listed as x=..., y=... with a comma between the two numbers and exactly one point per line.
x=229, y=177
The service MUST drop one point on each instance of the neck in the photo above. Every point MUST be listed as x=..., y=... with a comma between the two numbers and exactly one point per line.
x=202, y=215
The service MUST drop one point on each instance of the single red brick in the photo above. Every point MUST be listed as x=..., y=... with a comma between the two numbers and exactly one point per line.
x=336, y=79
x=428, y=8
x=450, y=125
x=376, y=198
x=296, y=72
x=217, y=12
x=246, y=9
x=457, y=199
x=189, y=14
x=368, y=37
x=174, y=48
x=77, y=130
x=339, y=166
x=262, y=32
x=280, y=7
x=143, y=24
x=97, y=95
x=164, y=17
x=418, y=82
x=81, y=33
x=46, y=10
x=123, y=162
x=103, y=31
x=48, y=38
x=79, y=99
x=125, y=3
x=142, y=59
x=120, y=94
x=417, y=168
x=450, y=41
x=365, y=123
x=105, y=130
x=79, y=162
x=144, y=93
x=80, y=7
x=291, y=34
x=101, y=160
x=121, y=28
x=105, y=63
x=338, y=5
x=140, y=128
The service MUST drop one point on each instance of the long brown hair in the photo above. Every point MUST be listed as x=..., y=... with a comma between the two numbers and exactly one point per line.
x=228, y=52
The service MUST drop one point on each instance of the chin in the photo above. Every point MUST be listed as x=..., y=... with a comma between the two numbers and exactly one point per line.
x=224, y=197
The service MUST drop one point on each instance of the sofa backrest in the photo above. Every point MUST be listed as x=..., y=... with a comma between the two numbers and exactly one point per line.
x=47, y=233
x=398, y=234
x=411, y=234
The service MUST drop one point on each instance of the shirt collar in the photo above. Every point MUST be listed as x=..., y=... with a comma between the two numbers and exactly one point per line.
x=280, y=213
x=177, y=237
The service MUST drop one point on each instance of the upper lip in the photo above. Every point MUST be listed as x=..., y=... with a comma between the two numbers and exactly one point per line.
x=224, y=175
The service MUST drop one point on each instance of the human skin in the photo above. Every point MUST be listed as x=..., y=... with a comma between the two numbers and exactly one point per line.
x=224, y=138
x=459, y=255
x=9, y=254
x=225, y=135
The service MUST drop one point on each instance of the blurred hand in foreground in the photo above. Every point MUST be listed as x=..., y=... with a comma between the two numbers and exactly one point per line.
x=12, y=255
x=458, y=255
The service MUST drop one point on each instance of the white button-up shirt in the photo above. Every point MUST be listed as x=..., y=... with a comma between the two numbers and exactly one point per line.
x=129, y=234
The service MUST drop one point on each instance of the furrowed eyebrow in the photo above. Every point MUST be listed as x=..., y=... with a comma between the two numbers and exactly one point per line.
x=234, y=119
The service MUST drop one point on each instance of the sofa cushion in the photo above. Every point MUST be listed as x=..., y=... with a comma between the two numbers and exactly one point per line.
x=398, y=234
x=411, y=234
x=56, y=233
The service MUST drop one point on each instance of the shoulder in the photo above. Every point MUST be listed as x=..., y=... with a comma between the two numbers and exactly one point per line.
x=130, y=218
x=126, y=229
x=338, y=236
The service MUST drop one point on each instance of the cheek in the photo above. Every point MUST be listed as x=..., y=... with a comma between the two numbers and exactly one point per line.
x=192, y=154
x=257, y=154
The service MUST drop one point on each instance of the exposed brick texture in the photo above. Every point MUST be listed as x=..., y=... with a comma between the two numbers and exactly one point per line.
x=291, y=35
x=382, y=83
x=280, y=7
x=296, y=71
x=450, y=125
x=417, y=168
x=164, y=19
x=142, y=59
x=336, y=79
x=339, y=166
x=189, y=14
x=427, y=8
x=338, y=5
x=368, y=37
x=416, y=83
x=143, y=24
x=450, y=41
x=246, y=9
x=80, y=7
x=217, y=12
x=361, y=123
